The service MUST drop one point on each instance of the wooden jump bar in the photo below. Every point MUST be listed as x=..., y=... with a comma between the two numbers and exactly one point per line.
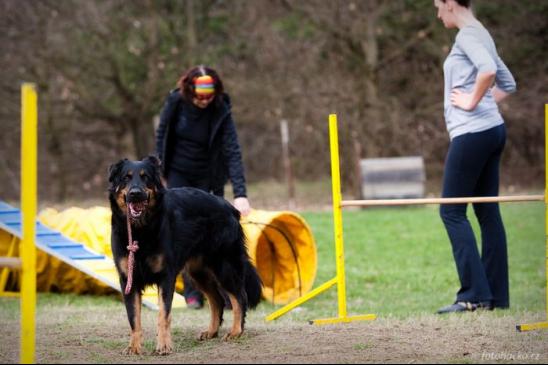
x=10, y=262
x=487, y=199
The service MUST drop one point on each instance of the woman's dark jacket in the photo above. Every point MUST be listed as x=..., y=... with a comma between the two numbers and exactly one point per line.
x=225, y=158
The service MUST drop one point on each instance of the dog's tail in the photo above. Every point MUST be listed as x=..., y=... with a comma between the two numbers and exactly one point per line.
x=253, y=285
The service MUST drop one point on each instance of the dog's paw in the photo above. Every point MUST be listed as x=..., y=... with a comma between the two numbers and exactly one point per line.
x=206, y=335
x=135, y=346
x=163, y=350
x=132, y=350
x=232, y=336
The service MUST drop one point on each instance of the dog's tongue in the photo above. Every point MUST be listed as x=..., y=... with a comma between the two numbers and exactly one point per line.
x=136, y=209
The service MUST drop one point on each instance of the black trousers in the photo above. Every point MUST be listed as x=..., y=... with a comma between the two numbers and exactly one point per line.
x=472, y=169
x=177, y=179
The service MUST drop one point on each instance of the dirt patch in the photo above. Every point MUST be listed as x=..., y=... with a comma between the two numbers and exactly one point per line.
x=98, y=335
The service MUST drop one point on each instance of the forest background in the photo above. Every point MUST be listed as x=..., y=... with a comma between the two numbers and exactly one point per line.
x=103, y=70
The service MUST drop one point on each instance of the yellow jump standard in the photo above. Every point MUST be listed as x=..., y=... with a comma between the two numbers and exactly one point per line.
x=340, y=279
x=338, y=204
x=29, y=147
x=541, y=325
x=26, y=263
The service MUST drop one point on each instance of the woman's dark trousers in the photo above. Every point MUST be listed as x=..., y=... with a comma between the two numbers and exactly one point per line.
x=472, y=169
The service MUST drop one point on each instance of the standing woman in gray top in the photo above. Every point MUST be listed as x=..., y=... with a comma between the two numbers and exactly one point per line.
x=476, y=79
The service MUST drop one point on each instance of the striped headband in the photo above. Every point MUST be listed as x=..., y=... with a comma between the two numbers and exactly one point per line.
x=204, y=85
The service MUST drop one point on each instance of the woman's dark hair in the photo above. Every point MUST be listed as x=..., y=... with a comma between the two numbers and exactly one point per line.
x=465, y=3
x=186, y=83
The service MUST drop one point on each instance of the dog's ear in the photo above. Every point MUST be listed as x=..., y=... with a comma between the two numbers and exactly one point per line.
x=155, y=161
x=156, y=165
x=115, y=169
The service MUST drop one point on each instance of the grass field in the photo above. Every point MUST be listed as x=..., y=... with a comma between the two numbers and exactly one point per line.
x=399, y=260
x=399, y=266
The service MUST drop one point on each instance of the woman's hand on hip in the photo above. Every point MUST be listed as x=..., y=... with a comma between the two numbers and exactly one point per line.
x=469, y=101
x=462, y=100
x=242, y=204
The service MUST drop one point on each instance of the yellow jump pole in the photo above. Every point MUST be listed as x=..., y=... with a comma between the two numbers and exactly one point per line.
x=335, y=281
x=29, y=141
x=337, y=213
x=536, y=326
x=546, y=201
x=305, y=298
x=540, y=325
x=339, y=280
x=338, y=230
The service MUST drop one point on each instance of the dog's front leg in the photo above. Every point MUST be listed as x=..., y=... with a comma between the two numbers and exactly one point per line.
x=164, y=344
x=133, y=309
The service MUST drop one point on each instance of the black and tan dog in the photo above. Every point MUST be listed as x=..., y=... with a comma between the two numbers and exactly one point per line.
x=178, y=229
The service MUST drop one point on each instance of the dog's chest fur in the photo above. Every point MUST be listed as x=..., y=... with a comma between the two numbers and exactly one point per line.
x=150, y=258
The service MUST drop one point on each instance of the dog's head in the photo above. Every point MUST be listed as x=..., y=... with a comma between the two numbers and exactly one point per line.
x=135, y=186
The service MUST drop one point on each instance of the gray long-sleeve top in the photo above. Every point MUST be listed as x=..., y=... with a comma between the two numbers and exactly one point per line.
x=474, y=52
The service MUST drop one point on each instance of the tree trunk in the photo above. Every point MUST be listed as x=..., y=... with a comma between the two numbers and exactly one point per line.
x=371, y=110
x=142, y=133
x=191, y=30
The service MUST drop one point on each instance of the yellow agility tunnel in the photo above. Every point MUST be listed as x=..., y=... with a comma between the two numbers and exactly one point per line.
x=282, y=248
x=280, y=244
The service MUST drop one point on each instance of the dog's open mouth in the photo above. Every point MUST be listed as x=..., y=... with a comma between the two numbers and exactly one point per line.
x=136, y=209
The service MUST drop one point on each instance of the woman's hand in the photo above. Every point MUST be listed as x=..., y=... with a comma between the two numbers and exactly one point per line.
x=469, y=101
x=462, y=100
x=242, y=204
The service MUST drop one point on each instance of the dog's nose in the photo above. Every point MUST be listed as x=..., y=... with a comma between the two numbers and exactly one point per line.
x=135, y=194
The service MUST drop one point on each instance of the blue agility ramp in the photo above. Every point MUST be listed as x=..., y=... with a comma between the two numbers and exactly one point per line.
x=75, y=254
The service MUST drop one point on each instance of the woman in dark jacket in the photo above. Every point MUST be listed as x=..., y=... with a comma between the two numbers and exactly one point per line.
x=198, y=145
